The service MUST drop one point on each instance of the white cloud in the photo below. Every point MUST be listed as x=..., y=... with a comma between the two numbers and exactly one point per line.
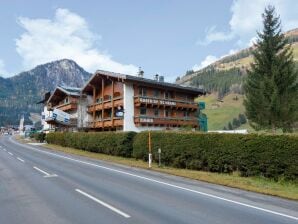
x=3, y=71
x=247, y=19
x=212, y=36
x=67, y=35
x=207, y=61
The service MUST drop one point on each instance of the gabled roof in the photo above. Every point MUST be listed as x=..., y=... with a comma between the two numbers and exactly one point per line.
x=45, y=99
x=145, y=81
x=73, y=91
x=65, y=90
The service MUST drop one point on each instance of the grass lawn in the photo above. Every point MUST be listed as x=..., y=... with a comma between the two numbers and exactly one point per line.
x=221, y=113
x=257, y=184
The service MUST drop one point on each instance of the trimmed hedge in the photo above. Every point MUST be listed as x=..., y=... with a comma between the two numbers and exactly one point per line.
x=112, y=143
x=272, y=156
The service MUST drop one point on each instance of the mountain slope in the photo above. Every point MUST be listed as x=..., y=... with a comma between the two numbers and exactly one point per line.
x=240, y=61
x=19, y=94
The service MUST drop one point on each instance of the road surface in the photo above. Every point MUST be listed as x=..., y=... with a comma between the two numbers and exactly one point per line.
x=39, y=186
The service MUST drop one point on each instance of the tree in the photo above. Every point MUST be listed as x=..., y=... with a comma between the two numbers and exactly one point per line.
x=242, y=118
x=271, y=86
x=236, y=123
x=230, y=126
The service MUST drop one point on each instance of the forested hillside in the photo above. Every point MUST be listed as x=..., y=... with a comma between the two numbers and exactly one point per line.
x=19, y=94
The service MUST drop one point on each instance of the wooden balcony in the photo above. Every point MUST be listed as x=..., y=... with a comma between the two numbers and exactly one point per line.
x=105, y=104
x=67, y=106
x=159, y=102
x=106, y=123
x=166, y=121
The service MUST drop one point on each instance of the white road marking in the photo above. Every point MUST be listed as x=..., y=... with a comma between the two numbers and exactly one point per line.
x=51, y=175
x=160, y=182
x=20, y=159
x=4, y=149
x=103, y=203
x=10, y=153
x=44, y=172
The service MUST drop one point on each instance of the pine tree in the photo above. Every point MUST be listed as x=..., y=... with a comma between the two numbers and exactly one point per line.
x=230, y=126
x=271, y=86
x=242, y=118
x=236, y=123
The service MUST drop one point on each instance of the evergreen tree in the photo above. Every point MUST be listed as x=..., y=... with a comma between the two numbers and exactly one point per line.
x=236, y=123
x=242, y=118
x=230, y=126
x=271, y=86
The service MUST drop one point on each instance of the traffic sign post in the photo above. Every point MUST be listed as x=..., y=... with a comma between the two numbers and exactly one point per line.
x=159, y=157
x=149, y=147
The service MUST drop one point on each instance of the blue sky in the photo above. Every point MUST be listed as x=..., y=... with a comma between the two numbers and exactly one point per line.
x=162, y=36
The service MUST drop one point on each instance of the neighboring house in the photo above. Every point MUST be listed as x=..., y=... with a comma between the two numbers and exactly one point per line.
x=45, y=113
x=133, y=103
x=62, y=109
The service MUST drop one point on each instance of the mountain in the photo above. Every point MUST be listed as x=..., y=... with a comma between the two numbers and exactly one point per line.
x=226, y=74
x=19, y=94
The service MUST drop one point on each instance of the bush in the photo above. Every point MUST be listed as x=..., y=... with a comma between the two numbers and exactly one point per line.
x=112, y=143
x=272, y=156
x=38, y=136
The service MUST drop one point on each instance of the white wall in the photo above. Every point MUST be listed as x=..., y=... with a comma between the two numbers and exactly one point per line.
x=46, y=113
x=128, y=101
x=83, y=116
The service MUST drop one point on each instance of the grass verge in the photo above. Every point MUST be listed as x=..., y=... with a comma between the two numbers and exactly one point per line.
x=285, y=189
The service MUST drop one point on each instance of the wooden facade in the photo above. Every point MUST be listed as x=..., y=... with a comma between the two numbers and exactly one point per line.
x=153, y=103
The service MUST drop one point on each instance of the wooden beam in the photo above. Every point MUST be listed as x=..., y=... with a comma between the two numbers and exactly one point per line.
x=94, y=101
x=113, y=103
x=102, y=92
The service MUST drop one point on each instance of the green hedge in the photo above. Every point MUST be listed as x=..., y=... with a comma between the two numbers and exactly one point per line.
x=273, y=156
x=112, y=143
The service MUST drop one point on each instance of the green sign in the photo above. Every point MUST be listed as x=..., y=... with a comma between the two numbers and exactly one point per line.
x=201, y=105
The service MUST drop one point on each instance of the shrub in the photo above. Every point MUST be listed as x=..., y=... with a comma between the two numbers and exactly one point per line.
x=112, y=143
x=272, y=156
x=38, y=136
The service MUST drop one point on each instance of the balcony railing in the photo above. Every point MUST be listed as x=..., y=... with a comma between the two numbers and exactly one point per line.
x=106, y=104
x=67, y=106
x=106, y=122
x=174, y=121
x=139, y=100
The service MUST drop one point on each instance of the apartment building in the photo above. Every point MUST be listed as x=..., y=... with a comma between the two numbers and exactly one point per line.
x=134, y=103
x=61, y=109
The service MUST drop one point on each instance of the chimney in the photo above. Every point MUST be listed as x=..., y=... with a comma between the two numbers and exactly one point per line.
x=156, y=77
x=140, y=73
x=161, y=78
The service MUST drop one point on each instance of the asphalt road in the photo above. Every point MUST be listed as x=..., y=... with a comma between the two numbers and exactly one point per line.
x=42, y=186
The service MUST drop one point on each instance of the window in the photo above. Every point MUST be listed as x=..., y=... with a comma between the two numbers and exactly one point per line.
x=166, y=94
x=143, y=111
x=167, y=113
x=156, y=112
x=107, y=97
x=186, y=113
x=98, y=100
x=142, y=91
x=156, y=93
x=66, y=100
